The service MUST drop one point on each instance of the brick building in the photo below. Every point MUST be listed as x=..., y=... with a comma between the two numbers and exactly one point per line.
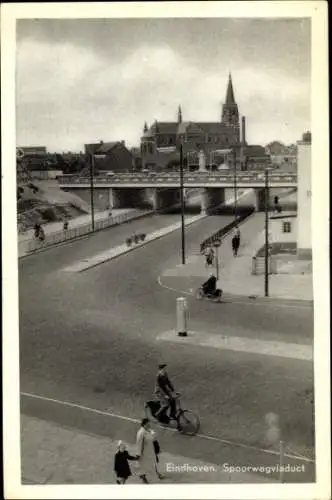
x=199, y=139
x=111, y=156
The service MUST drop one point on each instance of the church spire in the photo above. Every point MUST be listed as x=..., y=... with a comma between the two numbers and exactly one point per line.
x=230, y=112
x=230, y=92
x=145, y=127
x=179, y=115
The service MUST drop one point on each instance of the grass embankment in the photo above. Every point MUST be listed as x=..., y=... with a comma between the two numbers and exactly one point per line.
x=45, y=202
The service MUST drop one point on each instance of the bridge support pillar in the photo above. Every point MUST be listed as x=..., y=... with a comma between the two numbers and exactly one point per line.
x=115, y=199
x=151, y=198
x=260, y=199
x=211, y=198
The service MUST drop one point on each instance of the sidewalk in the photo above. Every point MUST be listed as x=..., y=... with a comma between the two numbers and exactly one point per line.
x=235, y=273
x=51, y=454
x=112, y=253
x=26, y=238
x=115, y=252
x=54, y=227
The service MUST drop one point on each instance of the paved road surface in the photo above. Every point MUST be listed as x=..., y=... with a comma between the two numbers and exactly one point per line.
x=91, y=339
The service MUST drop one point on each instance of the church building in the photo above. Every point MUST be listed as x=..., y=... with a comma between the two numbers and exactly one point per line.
x=217, y=142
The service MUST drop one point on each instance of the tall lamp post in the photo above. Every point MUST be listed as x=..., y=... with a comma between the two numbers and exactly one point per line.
x=266, y=253
x=183, y=244
x=235, y=183
x=216, y=245
x=182, y=198
x=92, y=167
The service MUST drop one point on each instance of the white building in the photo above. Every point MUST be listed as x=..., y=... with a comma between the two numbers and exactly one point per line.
x=283, y=227
x=304, y=243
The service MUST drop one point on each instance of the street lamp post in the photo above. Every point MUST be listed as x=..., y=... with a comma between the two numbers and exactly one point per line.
x=183, y=247
x=235, y=184
x=182, y=198
x=266, y=253
x=91, y=190
x=216, y=245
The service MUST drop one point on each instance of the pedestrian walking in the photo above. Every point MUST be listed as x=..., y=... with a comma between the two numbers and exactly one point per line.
x=36, y=230
x=41, y=234
x=235, y=245
x=209, y=257
x=236, y=241
x=65, y=225
x=146, y=443
x=121, y=463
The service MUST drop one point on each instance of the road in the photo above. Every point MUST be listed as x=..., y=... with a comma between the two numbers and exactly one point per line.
x=90, y=338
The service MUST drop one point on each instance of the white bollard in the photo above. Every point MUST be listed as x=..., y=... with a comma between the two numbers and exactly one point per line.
x=181, y=316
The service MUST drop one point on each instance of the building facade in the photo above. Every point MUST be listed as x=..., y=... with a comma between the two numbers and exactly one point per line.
x=35, y=162
x=304, y=243
x=160, y=143
x=110, y=156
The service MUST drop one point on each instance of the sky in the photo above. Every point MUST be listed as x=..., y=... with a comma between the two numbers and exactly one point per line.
x=81, y=81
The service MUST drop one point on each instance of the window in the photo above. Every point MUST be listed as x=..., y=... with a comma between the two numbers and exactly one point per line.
x=286, y=227
x=170, y=140
x=150, y=148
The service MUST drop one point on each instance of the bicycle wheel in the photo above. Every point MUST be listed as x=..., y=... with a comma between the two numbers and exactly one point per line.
x=188, y=422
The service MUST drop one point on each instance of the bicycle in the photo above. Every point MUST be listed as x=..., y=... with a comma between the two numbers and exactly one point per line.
x=214, y=297
x=187, y=421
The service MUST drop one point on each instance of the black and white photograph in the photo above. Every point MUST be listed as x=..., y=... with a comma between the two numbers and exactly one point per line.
x=166, y=251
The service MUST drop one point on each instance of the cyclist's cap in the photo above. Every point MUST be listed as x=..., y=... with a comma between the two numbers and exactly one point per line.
x=162, y=365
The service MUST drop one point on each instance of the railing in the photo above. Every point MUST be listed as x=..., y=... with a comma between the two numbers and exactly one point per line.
x=224, y=230
x=70, y=234
x=208, y=177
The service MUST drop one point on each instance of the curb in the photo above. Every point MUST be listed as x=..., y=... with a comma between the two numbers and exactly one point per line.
x=62, y=243
x=139, y=245
x=250, y=298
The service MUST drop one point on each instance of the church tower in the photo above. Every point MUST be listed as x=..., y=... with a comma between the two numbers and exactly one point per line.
x=230, y=112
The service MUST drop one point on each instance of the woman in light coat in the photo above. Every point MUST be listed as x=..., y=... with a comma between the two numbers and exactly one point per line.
x=147, y=462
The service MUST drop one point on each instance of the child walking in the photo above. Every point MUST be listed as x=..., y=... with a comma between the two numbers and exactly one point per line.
x=121, y=463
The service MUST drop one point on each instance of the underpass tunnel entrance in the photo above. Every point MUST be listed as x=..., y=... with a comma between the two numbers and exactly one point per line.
x=139, y=198
x=167, y=198
x=212, y=198
x=260, y=199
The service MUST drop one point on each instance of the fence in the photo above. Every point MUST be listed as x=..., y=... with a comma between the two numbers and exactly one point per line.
x=219, y=234
x=70, y=234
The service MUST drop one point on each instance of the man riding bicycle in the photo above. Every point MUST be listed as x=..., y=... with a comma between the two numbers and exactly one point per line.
x=164, y=391
x=210, y=286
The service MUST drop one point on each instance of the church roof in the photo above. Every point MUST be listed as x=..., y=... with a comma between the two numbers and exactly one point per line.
x=182, y=128
x=163, y=128
x=212, y=127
